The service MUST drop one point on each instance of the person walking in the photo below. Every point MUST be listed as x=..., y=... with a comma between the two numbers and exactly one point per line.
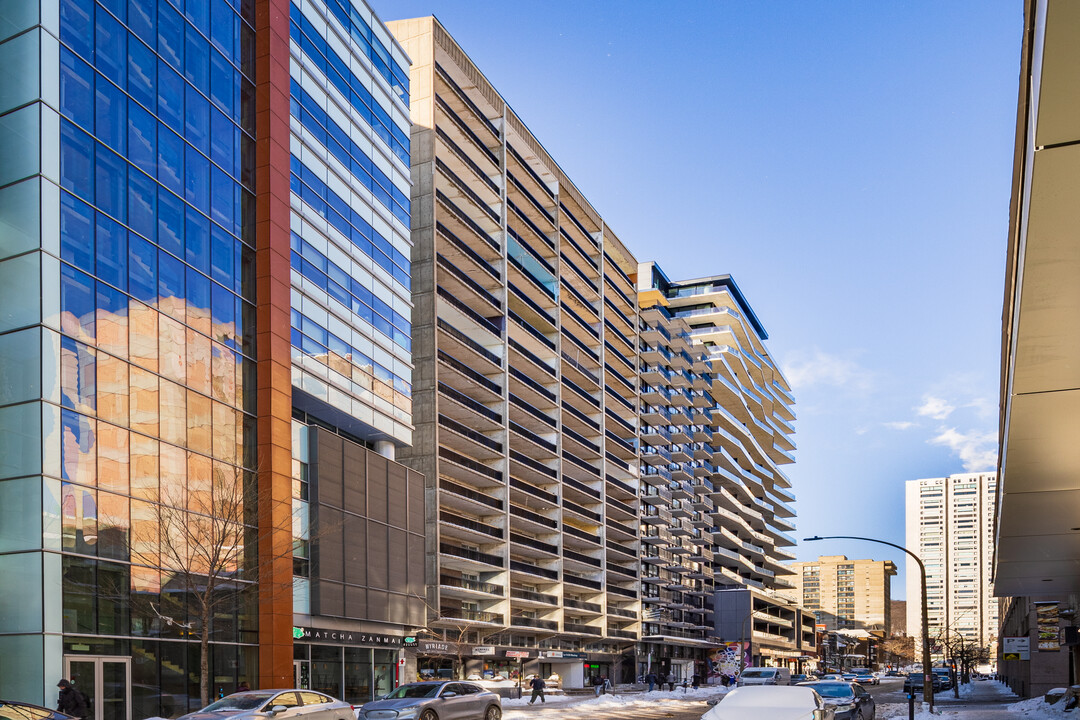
x=72, y=701
x=695, y=681
x=651, y=679
x=537, y=685
x=597, y=684
x=608, y=687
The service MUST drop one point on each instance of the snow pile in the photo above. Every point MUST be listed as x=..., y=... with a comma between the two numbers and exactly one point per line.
x=677, y=700
x=1037, y=709
x=526, y=694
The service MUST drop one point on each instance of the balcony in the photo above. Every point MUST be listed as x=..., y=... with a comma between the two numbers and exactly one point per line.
x=529, y=568
x=469, y=554
x=580, y=581
x=533, y=543
x=572, y=627
x=452, y=581
x=477, y=498
x=582, y=605
x=450, y=614
x=626, y=634
x=533, y=596
x=521, y=621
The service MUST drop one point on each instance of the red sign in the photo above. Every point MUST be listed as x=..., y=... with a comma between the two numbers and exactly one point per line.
x=517, y=653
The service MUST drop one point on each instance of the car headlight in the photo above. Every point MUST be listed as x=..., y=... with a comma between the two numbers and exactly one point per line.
x=844, y=707
x=408, y=713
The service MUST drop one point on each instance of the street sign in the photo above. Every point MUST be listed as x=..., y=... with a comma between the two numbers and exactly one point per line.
x=1015, y=648
x=483, y=650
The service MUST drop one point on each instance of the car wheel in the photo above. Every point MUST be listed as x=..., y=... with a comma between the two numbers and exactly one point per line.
x=429, y=715
x=494, y=712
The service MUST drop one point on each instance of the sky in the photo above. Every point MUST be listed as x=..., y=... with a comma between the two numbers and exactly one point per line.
x=848, y=163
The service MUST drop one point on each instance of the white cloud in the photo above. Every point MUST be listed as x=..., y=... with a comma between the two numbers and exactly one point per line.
x=935, y=407
x=820, y=368
x=977, y=450
x=899, y=425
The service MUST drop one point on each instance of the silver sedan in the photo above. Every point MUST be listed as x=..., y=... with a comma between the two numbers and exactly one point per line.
x=440, y=700
x=275, y=704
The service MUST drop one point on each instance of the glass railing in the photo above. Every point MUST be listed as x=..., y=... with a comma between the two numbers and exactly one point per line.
x=595, y=562
x=529, y=196
x=533, y=437
x=582, y=605
x=468, y=312
x=464, y=128
x=466, y=220
x=574, y=507
x=533, y=490
x=532, y=173
x=469, y=554
x=468, y=341
x=534, y=517
x=464, y=249
x=524, y=297
x=469, y=372
x=533, y=622
x=468, y=402
x=474, y=615
x=468, y=161
x=522, y=594
x=542, y=364
x=525, y=567
x=463, y=491
x=454, y=519
x=582, y=581
x=536, y=465
x=527, y=327
x=452, y=581
x=574, y=459
x=467, y=281
x=466, y=462
x=579, y=628
x=534, y=543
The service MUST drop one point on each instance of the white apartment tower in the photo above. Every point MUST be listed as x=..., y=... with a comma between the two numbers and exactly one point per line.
x=949, y=524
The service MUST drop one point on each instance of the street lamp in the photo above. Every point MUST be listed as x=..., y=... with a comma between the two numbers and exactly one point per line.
x=928, y=680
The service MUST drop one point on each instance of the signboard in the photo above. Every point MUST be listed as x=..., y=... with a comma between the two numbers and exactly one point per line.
x=565, y=655
x=517, y=653
x=483, y=650
x=344, y=637
x=1049, y=629
x=436, y=647
x=820, y=627
x=1015, y=648
x=409, y=641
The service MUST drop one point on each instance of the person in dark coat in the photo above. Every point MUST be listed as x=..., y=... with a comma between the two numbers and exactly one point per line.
x=537, y=685
x=695, y=681
x=651, y=679
x=72, y=701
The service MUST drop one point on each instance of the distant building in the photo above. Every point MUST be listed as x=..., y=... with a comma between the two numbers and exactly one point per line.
x=898, y=617
x=846, y=594
x=949, y=523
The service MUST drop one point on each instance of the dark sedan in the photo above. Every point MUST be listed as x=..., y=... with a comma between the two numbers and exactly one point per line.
x=851, y=700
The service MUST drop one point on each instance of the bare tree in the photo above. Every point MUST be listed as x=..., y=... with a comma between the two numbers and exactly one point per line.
x=197, y=533
x=900, y=649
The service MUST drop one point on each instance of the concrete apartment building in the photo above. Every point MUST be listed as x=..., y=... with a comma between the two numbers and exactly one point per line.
x=949, y=524
x=204, y=303
x=846, y=594
x=1035, y=527
x=525, y=343
x=715, y=428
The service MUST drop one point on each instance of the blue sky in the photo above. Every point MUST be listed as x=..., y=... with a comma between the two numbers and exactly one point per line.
x=847, y=162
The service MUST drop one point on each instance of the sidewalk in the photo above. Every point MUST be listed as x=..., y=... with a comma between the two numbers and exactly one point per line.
x=983, y=700
x=623, y=699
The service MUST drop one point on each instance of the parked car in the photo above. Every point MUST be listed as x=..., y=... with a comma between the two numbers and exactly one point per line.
x=439, y=700
x=833, y=676
x=796, y=679
x=276, y=704
x=913, y=683
x=771, y=702
x=764, y=676
x=943, y=675
x=850, y=699
x=14, y=710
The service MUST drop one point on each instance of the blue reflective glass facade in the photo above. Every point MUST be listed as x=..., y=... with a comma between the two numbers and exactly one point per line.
x=349, y=177
x=136, y=226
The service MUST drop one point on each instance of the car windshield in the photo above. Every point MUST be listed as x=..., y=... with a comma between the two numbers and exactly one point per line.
x=757, y=673
x=833, y=690
x=427, y=690
x=239, y=701
x=17, y=711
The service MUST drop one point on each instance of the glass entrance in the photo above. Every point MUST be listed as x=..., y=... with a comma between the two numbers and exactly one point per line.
x=106, y=680
x=302, y=674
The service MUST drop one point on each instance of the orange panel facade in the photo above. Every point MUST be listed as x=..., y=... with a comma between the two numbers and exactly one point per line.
x=272, y=324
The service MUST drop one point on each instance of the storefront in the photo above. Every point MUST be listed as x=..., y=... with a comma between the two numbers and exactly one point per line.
x=356, y=667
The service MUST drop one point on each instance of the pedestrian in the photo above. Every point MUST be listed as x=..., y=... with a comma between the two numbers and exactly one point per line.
x=537, y=685
x=671, y=681
x=695, y=681
x=607, y=685
x=72, y=701
x=597, y=684
x=651, y=679
x=243, y=686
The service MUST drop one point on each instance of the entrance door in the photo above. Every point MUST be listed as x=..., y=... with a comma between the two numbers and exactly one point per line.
x=302, y=674
x=106, y=680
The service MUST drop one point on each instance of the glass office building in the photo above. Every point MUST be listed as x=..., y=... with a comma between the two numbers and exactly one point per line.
x=137, y=318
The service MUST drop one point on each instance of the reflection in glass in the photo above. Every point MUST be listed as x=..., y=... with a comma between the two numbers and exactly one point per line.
x=78, y=448
x=144, y=401
x=112, y=389
x=113, y=459
x=143, y=335
x=144, y=467
x=173, y=413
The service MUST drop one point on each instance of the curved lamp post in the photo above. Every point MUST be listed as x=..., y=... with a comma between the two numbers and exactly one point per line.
x=928, y=680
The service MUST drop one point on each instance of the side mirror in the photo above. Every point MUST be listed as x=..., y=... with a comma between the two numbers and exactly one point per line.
x=278, y=709
x=449, y=694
